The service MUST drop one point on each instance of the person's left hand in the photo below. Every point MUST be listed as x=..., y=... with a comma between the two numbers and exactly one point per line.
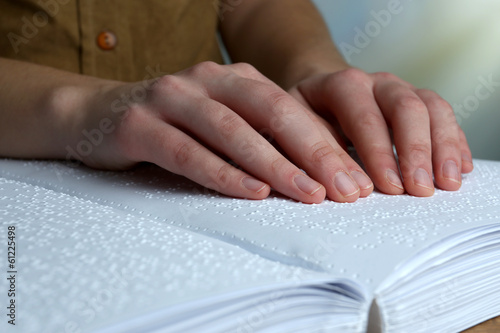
x=375, y=110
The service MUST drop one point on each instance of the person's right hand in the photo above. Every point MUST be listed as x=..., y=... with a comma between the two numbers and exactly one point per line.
x=189, y=121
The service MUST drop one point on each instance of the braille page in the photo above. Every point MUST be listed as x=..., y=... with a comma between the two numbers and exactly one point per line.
x=82, y=265
x=364, y=241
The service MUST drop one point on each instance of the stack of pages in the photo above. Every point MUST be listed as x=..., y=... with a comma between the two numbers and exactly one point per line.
x=149, y=251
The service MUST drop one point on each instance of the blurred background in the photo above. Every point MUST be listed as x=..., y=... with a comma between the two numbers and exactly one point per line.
x=449, y=46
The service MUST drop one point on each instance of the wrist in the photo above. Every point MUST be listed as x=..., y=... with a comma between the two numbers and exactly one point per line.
x=304, y=67
x=74, y=110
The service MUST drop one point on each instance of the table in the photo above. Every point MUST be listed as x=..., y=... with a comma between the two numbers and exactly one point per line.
x=490, y=326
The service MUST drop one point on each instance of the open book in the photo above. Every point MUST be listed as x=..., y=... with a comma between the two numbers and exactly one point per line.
x=148, y=251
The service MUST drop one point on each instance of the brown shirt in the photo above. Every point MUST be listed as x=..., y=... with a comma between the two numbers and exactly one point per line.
x=115, y=39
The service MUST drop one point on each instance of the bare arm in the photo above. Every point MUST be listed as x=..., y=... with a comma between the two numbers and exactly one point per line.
x=40, y=108
x=286, y=40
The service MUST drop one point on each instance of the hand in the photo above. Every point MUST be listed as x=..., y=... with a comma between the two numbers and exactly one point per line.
x=370, y=108
x=188, y=120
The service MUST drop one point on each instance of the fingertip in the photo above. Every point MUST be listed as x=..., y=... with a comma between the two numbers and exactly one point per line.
x=366, y=192
x=448, y=185
x=418, y=191
x=421, y=184
x=393, y=179
x=450, y=178
x=263, y=193
x=389, y=182
x=255, y=189
x=467, y=167
x=364, y=182
x=318, y=196
x=345, y=189
x=345, y=199
x=312, y=191
x=467, y=164
x=351, y=198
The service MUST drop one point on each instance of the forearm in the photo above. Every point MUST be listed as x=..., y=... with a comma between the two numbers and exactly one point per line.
x=40, y=109
x=286, y=40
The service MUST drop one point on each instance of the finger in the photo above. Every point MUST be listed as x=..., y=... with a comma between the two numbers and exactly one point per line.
x=248, y=71
x=225, y=131
x=467, y=164
x=326, y=129
x=446, y=148
x=173, y=150
x=364, y=124
x=409, y=119
x=364, y=182
x=266, y=106
x=331, y=135
x=319, y=120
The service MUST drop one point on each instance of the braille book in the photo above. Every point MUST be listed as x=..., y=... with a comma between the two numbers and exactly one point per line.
x=148, y=251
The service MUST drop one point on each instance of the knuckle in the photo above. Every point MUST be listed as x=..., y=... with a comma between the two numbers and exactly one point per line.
x=223, y=176
x=281, y=104
x=381, y=153
x=418, y=152
x=246, y=68
x=445, y=140
x=451, y=142
x=419, y=148
x=412, y=160
x=370, y=119
x=229, y=124
x=279, y=165
x=354, y=74
x=387, y=76
x=439, y=104
x=411, y=103
x=321, y=151
x=427, y=92
x=168, y=84
x=206, y=68
x=129, y=122
x=344, y=156
x=351, y=75
x=183, y=152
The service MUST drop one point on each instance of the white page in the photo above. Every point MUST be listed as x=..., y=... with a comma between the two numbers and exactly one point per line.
x=363, y=241
x=81, y=265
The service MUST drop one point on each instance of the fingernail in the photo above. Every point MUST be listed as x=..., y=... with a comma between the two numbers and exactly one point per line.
x=466, y=158
x=306, y=184
x=363, y=181
x=345, y=184
x=421, y=178
x=450, y=171
x=253, y=184
x=393, y=178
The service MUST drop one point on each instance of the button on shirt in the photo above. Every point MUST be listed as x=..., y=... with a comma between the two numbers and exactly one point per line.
x=114, y=39
x=106, y=40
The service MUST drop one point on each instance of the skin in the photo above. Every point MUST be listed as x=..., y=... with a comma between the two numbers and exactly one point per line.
x=291, y=110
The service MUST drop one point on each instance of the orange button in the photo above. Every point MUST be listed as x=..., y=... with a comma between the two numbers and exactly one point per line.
x=106, y=40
